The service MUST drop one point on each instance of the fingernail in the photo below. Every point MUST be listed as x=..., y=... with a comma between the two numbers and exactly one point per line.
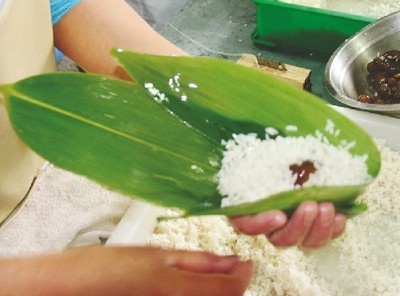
x=340, y=224
x=279, y=220
x=310, y=213
x=327, y=213
x=227, y=261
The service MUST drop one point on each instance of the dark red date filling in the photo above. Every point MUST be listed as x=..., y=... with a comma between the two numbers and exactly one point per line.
x=384, y=77
x=302, y=171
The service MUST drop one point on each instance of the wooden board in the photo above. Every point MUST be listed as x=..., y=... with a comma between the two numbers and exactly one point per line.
x=297, y=76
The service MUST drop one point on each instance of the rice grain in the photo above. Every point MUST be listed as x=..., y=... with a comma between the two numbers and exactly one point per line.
x=364, y=261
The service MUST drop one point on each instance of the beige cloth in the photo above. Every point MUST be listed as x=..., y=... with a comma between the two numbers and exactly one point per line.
x=62, y=210
x=26, y=48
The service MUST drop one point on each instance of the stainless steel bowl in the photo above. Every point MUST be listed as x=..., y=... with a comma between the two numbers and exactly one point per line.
x=346, y=70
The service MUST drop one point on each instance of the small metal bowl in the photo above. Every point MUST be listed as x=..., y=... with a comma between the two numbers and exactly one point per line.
x=346, y=71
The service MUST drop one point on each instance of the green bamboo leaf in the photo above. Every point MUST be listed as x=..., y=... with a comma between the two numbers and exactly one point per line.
x=341, y=196
x=159, y=139
x=110, y=131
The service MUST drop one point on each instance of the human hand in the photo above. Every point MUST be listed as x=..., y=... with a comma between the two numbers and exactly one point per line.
x=312, y=225
x=125, y=271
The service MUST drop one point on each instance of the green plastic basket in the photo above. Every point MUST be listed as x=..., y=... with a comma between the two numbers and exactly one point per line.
x=303, y=28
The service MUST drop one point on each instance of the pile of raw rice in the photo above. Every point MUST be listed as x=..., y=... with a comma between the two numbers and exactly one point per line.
x=364, y=261
x=370, y=8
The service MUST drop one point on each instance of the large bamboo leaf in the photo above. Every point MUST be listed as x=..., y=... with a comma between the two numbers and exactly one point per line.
x=219, y=98
x=112, y=132
x=159, y=139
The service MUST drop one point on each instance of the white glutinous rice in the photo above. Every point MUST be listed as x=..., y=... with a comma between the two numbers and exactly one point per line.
x=370, y=8
x=365, y=261
x=253, y=169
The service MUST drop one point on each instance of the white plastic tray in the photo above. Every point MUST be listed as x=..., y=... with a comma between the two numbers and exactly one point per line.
x=139, y=221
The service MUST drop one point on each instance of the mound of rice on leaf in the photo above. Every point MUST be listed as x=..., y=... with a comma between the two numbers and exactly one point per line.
x=254, y=168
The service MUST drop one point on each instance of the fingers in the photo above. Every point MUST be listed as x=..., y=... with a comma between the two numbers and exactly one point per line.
x=340, y=225
x=327, y=226
x=202, y=273
x=312, y=225
x=263, y=223
x=195, y=273
x=202, y=262
x=297, y=228
x=200, y=284
x=322, y=228
x=233, y=284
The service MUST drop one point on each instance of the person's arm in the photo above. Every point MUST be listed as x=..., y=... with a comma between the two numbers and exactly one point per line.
x=92, y=28
x=88, y=32
x=136, y=271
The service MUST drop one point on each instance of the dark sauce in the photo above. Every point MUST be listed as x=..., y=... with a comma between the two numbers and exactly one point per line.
x=302, y=171
x=384, y=77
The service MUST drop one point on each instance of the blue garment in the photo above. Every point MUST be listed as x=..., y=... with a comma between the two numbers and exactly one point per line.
x=60, y=7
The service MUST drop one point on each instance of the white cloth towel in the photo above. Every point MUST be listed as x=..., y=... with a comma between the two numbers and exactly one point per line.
x=62, y=210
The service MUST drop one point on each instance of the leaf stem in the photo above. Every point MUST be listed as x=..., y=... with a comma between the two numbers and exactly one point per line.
x=3, y=93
